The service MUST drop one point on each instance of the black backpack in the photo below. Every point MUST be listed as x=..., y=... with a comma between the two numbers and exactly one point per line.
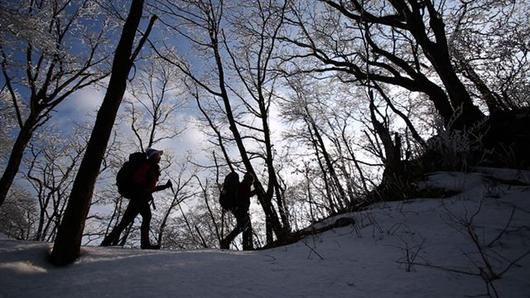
x=124, y=179
x=228, y=196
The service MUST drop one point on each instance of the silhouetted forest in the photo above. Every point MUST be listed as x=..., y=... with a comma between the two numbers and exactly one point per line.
x=327, y=106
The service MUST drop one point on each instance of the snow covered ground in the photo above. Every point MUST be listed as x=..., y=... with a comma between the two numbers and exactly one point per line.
x=414, y=248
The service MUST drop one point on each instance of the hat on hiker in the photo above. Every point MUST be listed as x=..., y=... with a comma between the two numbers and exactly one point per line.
x=248, y=177
x=150, y=152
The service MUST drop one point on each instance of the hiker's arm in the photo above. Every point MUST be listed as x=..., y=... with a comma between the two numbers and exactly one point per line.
x=162, y=187
x=159, y=188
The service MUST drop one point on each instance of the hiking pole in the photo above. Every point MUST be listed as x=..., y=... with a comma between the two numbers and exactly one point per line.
x=172, y=189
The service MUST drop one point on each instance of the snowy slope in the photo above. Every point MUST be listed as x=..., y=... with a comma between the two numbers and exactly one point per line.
x=368, y=259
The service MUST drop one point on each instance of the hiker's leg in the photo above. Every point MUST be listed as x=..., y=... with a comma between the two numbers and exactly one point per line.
x=128, y=217
x=247, y=233
x=145, y=212
x=225, y=243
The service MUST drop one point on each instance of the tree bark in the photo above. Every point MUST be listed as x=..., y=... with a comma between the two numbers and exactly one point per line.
x=68, y=241
x=392, y=161
x=489, y=97
x=327, y=159
x=457, y=108
x=268, y=208
x=458, y=95
x=438, y=54
x=15, y=158
x=273, y=179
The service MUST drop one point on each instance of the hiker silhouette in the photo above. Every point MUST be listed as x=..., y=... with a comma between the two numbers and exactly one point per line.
x=239, y=207
x=137, y=181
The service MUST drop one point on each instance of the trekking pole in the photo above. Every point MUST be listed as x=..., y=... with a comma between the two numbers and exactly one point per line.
x=172, y=190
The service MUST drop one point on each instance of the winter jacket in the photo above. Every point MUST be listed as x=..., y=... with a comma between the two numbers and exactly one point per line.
x=243, y=196
x=147, y=175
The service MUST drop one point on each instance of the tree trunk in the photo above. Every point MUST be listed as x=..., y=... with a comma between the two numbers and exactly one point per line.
x=489, y=97
x=393, y=165
x=265, y=202
x=458, y=94
x=282, y=206
x=68, y=241
x=40, y=227
x=268, y=231
x=329, y=163
x=273, y=183
x=438, y=54
x=17, y=152
x=329, y=195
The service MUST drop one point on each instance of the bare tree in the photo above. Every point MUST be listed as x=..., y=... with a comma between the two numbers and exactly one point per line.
x=155, y=98
x=205, y=22
x=181, y=190
x=406, y=49
x=489, y=45
x=50, y=174
x=16, y=24
x=43, y=78
x=18, y=215
x=303, y=107
x=68, y=241
x=53, y=160
x=252, y=61
x=8, y=122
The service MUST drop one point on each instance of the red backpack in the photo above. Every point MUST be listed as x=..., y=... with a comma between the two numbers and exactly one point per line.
x=125, y=177
x=228, y=196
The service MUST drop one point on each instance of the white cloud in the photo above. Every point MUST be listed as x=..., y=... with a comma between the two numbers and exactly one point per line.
x=83, y=102
x=80, y=107
x=192, y=140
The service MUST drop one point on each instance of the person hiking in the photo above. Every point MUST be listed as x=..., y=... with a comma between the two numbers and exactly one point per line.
x=143, y=183
x=240, y=211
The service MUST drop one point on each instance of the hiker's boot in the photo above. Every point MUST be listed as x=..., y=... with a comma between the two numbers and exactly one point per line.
x=150, y=246
x=247, y=240
x=224, y=244
x=107, y=241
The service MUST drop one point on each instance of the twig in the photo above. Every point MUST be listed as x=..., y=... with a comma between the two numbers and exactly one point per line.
x=503, y=230
x=441, y=268
x=514, y=262
x=313, y=250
